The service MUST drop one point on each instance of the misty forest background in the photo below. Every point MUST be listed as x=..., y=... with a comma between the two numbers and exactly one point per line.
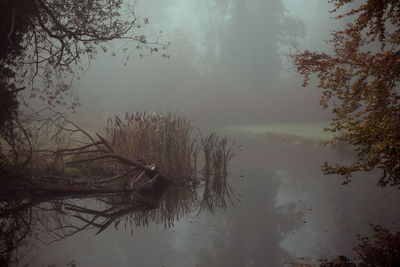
x=231, y=56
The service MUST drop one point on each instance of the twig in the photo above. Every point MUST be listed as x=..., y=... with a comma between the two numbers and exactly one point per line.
x=12, y=26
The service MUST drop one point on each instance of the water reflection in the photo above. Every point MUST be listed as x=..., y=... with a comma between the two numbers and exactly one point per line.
x=44, y=217
x=249, y=235
x=288, y=209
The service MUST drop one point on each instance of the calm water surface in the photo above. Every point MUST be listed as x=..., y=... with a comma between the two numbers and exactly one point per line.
x=287, y=209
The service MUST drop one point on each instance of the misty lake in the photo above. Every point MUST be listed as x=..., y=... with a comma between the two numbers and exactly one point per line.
x=191, y=133
x=287, y=209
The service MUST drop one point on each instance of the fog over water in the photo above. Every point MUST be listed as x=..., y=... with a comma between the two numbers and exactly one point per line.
x=228, y=62
x=287, y=209
x=228, y=66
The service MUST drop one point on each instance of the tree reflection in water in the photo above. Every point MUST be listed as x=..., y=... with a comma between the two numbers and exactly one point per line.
x=380, y=249
x=142, y=197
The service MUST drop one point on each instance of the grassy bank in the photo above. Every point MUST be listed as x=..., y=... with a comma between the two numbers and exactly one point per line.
x=293, y=133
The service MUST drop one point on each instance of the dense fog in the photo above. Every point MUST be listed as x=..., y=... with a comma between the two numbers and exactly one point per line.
x=228, y=63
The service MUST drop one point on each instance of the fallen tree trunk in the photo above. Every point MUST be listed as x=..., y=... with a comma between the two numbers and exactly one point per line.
x=141, y=154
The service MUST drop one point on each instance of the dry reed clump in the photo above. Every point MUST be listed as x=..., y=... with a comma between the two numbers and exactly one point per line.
x=160, y=140
x=155, y=157
x=148, y=168
x=198, y=165
x=217, y=154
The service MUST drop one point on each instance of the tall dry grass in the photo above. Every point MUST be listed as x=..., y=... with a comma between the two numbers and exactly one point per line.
x=164, y=140
x=198, y=164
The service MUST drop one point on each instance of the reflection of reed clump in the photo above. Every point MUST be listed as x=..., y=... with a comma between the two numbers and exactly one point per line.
x=148, y=168
x=191, y=171
x=168, y=143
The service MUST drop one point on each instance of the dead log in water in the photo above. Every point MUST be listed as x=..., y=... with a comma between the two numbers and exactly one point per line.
x=142, y=153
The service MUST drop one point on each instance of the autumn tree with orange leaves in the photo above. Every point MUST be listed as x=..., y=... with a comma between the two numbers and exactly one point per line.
x=360, y=81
